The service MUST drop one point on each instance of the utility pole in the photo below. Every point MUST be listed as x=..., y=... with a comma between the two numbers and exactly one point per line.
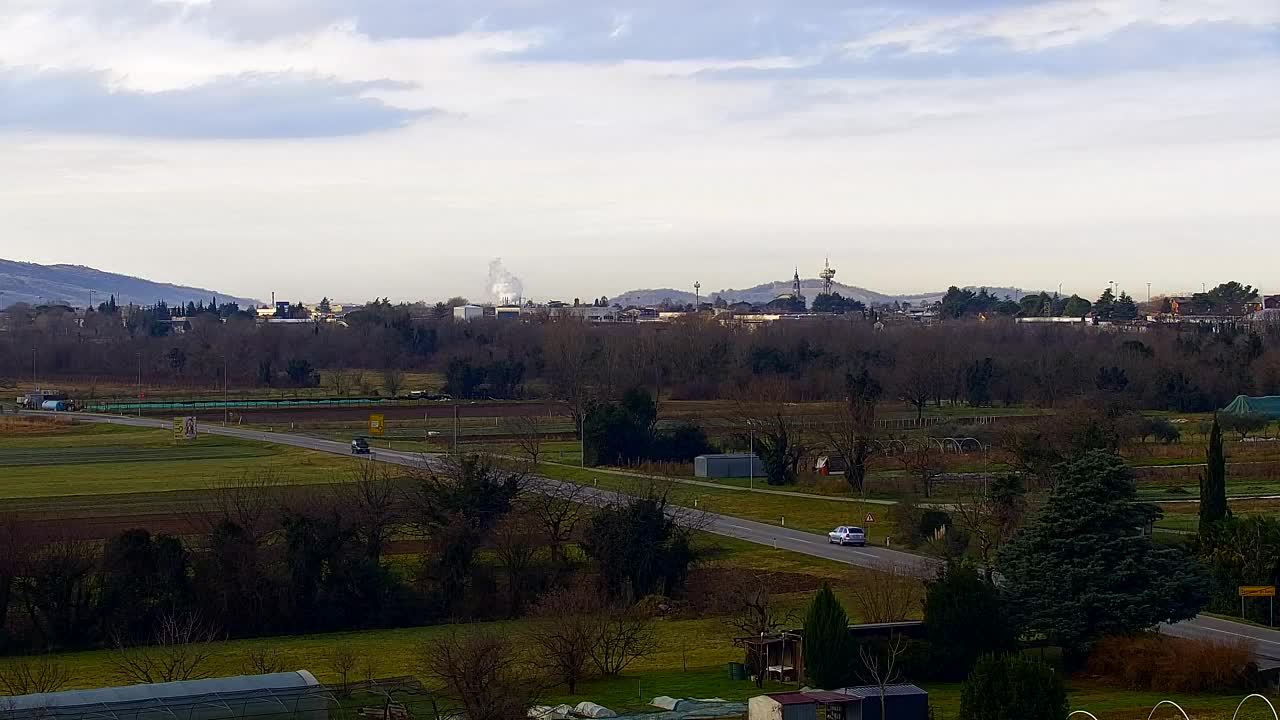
x=139, y=383
x=455, y=429
x=697, y=296
x=226, y=412
x=34, y=384
x=751, y=461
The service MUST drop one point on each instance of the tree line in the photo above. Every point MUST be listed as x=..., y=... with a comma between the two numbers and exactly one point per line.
x=962, y=361
x=473, y=539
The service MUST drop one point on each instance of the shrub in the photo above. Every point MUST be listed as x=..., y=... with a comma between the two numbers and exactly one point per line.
x=963, y=621
x=1012, y=687
x=1167, y=664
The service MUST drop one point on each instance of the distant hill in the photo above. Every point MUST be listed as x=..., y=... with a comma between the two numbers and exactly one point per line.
x=768, y=291
x=31, y=283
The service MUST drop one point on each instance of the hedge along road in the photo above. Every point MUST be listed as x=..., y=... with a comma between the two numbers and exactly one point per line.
x=1266, y=642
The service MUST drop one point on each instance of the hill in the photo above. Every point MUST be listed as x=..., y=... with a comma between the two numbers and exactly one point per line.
x=767, y=291
x=22, y=282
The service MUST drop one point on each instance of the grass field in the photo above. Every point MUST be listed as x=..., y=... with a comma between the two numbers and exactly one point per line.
x=98, y=460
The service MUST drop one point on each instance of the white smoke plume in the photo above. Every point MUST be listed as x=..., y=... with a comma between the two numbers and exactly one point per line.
x=504, y=288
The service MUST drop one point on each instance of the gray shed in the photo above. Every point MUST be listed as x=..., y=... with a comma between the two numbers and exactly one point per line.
x=728, y=465
x=283, y=696
x=901, y=702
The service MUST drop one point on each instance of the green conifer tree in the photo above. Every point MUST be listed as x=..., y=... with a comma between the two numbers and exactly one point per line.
x=828, y=649
x=1213, y=482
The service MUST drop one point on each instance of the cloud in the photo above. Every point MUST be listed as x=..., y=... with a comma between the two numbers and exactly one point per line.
x=247, y=106
x=1057, y=24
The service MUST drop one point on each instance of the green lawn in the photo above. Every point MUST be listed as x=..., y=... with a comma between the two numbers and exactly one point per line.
x=97, y=460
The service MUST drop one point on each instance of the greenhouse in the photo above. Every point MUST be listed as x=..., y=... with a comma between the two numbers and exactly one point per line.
x=293, y=695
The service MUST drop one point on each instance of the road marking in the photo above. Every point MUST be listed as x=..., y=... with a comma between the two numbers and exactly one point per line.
x=1228, y=632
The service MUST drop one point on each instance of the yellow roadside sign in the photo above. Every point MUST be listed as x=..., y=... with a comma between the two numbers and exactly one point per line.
x=376, y=424
x=179, y=427
x=1257, y=591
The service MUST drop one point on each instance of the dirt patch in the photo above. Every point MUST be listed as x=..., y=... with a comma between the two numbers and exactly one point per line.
x=32, y=426
x=270, y=415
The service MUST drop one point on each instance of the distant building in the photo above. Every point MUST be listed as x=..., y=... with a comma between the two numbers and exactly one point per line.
x=464, y=313
x=508, y=312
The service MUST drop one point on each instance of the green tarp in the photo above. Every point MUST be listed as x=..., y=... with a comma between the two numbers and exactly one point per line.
x=1245, y=405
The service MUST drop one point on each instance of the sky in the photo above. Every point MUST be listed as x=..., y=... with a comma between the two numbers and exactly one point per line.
x=355, y=149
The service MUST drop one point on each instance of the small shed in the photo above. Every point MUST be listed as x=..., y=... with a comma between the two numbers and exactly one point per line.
x=805, y=705
x=901, y=702
x=728, y=465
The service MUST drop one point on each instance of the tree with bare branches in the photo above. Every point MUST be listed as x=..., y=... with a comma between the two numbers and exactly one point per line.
x=923, y=462
x=393, y=381
x=567, y=628
x=483, y=675
x=515, y=543
x=343, y=661
x=32, y=675
x=16, y=545
x=558, y=508
x=882, y=666
x=852, y=432
x=779, y=439
x=886, y=592
x=624, y=635
x=990, y=513
x=264, y=660
x=528, y=431
x=755, y=614
x=370, y=498
x=180, y=649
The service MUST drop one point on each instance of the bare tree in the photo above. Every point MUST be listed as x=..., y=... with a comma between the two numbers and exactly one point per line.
x=568, y=623
x=881, y=666
x=528, y=431
x=343, y=660
x=248, y=501
x=393, y=381
x=515, y=544
x=923, y=462
x=264, y=660
x=558, y=507
x=28, y=676
x=369, y=496
x=567, y=351
x=990, y=513
x=780, y=439
x=624, y=635
x=15, y=547
x=482, y=674
x=755, y=615
x=181, y=649
x=886, y=592
x=341, y=381
x=852, y=432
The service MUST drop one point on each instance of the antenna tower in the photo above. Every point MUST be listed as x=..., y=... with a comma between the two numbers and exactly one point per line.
x=828, y=274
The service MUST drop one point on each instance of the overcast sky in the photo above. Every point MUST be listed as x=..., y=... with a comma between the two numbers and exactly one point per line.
x=394, y=147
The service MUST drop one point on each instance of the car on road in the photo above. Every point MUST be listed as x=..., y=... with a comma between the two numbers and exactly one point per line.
x=359, y=446
x=848, y=535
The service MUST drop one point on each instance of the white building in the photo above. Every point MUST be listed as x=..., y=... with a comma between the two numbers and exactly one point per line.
x=464, y=313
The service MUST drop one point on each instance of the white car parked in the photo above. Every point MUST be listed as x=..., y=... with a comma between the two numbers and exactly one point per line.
x=848, y=535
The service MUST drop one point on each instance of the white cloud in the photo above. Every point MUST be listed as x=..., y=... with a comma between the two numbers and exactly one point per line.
x=1064, y=22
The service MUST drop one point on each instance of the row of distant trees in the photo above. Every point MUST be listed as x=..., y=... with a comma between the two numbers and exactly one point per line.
x=960, y=362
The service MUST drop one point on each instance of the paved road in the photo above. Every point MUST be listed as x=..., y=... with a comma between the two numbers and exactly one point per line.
x=1266, y=641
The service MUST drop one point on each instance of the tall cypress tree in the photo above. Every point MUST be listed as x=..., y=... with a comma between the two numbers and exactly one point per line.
x=1213, y=482
x=828, y=649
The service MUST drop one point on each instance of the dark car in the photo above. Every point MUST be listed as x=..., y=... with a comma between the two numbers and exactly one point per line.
x=359, y=446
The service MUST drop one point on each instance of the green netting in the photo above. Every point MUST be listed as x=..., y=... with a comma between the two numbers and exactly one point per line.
x=1245, y=405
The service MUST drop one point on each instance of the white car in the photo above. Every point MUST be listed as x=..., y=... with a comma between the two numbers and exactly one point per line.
x=848, y=535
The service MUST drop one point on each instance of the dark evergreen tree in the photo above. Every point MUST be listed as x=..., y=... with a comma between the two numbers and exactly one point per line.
x=1086, y=568
x=1013, y=687
x=1213, y=482
x=828, y=650
x=964, y=619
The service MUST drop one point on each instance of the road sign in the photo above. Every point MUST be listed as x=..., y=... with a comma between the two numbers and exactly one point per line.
x=1257, y=591
x=177, y=428
x=377, y=423
x=869, y=518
